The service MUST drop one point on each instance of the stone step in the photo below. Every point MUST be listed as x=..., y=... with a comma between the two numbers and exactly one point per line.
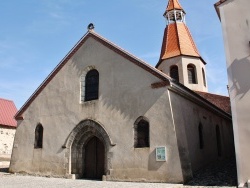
x=4, y=163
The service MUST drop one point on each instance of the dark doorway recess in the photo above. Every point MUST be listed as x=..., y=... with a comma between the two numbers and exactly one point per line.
x=94, y=159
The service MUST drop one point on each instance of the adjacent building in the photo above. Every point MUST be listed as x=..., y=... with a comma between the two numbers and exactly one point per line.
x=7, y=126
x=105, y=114
x=235, y=21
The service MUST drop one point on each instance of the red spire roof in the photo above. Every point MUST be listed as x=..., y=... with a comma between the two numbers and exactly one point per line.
x=177, y=40
x=7, y=113
x=174, y=4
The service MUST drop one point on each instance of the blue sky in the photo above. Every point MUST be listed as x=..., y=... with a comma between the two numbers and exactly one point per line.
x=36, y=34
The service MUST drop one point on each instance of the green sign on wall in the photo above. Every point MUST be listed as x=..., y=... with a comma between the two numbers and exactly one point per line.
x=161, y=153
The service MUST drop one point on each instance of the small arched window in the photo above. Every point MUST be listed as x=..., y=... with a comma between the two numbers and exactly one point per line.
x=174, y=72
x=204, y=78
x=141, y=137
x=191, y=74
x=38, y=136
x=201, y=140
x=91, y=85
x=218, y=139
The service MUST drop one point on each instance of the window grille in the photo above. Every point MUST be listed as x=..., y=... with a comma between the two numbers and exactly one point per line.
x=174, y=72
x=141, y=134
x=191, y=74
x=91, y=85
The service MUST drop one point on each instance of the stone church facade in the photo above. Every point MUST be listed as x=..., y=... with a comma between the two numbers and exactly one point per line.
x=104, y=114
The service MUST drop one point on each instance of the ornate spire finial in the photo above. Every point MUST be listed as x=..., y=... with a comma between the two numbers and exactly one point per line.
x=91, y=26
x=174, y=12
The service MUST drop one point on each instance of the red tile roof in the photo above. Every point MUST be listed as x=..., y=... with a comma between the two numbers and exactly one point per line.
x=177, y=40
x=7, y=113
x=222, y=102
x=174, y=4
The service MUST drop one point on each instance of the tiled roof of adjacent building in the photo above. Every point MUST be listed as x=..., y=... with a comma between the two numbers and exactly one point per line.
x=222, y=102
x=7, y=113
x=177, y=41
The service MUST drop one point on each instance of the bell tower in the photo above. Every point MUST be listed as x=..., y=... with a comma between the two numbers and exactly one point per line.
x=179, y=57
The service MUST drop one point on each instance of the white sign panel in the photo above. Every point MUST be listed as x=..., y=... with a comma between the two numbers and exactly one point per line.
x=161, y=153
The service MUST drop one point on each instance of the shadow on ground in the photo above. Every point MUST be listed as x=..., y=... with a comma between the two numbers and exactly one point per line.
x=4, y=169
x=220, y=173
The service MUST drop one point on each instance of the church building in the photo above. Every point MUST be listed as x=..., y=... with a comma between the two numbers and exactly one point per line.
x=102, y=113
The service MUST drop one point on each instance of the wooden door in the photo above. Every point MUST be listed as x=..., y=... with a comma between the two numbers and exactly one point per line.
x=94, y=159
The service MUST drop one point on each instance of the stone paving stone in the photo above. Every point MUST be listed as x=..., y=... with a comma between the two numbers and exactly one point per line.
x=220, y=173
x=13, y=181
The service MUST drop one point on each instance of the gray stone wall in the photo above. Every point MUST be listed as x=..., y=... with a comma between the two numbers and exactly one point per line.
x=188, y=115
x=125, y=94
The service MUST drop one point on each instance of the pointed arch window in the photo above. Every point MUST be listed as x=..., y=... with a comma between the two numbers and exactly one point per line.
x=174, y=72
x=91, y=85
x=201, y=140
x=218, y=139
x=204, y=78
x=38, y=136
x=191, y=74
x=141, y=133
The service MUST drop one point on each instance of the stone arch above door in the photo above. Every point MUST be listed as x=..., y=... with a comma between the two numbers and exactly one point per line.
x=76, y=140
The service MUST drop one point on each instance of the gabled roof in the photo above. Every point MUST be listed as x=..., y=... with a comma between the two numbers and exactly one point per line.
x=177, y=40
x=106, y=43
x=7, y=112
x=174, y=4
x=167, y=81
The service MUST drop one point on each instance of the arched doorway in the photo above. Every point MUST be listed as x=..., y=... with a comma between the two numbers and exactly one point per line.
x=94, y=155
x=79, y=152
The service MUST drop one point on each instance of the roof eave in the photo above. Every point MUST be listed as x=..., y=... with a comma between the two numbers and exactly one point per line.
x=161, y=60
x=104, y=41
x=18, y=115
x=216, y=6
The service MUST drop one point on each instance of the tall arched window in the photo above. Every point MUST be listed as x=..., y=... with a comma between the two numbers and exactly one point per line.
x=191, y=74
x=174, y=72
x=201, y=140
x=38, y=136
x=204, y=78
x=218, y=139
x=91, y=85
x=141, y=133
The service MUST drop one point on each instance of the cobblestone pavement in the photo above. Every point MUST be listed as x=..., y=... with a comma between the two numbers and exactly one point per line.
x=12, y=181
x=219, y=175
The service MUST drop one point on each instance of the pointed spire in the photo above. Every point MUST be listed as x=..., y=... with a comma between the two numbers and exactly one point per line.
x=177, y=39
x=174, y=5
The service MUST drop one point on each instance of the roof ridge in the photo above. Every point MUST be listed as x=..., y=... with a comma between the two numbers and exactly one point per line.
x=178, y=3
x=212, y=94
x=178, y=37
x=192, y=41
x=110, y=45
x=6, y=100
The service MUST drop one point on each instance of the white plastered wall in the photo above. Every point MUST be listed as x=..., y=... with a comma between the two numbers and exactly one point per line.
x=182, y=63
x=235, y=20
